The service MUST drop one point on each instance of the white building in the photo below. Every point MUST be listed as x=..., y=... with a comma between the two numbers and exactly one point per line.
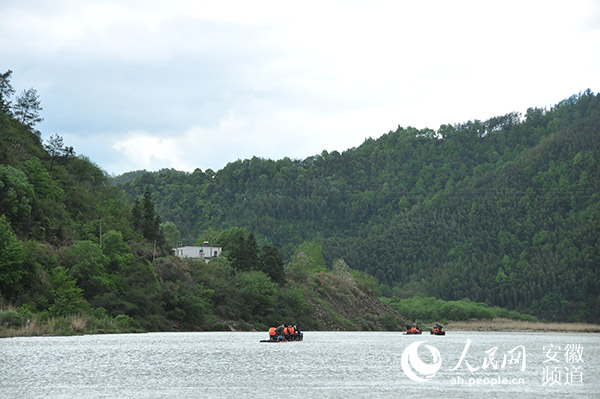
x=204, y=251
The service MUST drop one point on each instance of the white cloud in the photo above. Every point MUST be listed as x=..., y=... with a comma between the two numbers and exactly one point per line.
x=141, y=148
x=185, y=84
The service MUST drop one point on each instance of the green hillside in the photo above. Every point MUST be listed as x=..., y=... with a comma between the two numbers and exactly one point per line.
x=504, y=212
x=78, y=256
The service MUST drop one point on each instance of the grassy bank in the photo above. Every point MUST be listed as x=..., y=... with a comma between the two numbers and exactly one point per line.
x=14, y=324
x=430, y=310
x=503, y=324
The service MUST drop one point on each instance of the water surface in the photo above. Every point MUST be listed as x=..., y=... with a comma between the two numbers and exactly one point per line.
x=324, y=365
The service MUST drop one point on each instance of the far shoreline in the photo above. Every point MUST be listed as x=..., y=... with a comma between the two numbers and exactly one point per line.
x=509, y=325
x=474, y=325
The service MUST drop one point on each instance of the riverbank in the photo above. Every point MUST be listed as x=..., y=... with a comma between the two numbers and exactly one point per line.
x=501, y=324
x=78, y=325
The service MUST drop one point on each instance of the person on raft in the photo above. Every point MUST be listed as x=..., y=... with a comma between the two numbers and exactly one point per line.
x=288, y=333
x=272, y=334
x=283, y=332
x=279, y=332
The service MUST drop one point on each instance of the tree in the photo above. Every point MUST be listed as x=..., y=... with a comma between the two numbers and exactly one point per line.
x=271, y=263
x=257, y=292
x=146, y=220
x=27, y=108
x=6, y=91
x=209, y=235
x=16, y=196
x=87, y=264
x=314, y=253
x=151, y=221
x=136, y=215
x=11, y=257
x=55, y=148
x=240, y=248
x=68, y=297
x=43, y=184
x=341, y=267
x=115, y=248
x=172, y=235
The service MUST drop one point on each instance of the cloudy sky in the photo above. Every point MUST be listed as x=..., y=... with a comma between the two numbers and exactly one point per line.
x=145, y=84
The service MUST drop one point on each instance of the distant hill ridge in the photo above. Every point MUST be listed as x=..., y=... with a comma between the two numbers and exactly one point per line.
x=505, y=211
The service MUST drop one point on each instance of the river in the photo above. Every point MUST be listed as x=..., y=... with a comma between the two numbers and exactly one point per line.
x=324, y=365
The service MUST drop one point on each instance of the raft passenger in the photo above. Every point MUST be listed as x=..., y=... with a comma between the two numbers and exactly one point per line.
x=272, y=334
x=279, y=332
x=286, y=333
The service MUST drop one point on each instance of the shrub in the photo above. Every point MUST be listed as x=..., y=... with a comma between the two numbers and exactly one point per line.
x=12, y=319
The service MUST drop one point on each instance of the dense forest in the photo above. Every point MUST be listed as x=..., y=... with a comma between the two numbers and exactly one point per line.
x=79, y=256
x=504, y=212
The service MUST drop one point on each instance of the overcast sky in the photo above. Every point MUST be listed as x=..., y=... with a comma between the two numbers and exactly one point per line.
x=144, y=84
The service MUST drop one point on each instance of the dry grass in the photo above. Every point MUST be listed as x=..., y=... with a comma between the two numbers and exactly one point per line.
x=79, y=323
x=33, y=328
x=500, y=324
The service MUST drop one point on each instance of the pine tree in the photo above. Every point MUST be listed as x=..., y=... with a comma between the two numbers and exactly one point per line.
x=55, y=148
x=6, y=91
x=27, y=108
x=146, y=220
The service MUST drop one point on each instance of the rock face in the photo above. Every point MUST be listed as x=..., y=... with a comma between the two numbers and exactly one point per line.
x=341, y=303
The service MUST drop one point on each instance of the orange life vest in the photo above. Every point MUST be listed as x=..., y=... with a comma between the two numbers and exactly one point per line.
x=291, y=330
x=272, y=331
x=286, y=331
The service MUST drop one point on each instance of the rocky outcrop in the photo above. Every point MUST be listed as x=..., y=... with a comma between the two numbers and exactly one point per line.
x=342, y=303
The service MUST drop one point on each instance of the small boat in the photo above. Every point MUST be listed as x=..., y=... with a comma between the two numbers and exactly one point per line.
x=292, y=338
x=413, y=331
x=438, y=329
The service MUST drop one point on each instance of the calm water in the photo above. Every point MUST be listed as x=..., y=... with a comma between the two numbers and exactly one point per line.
x=325, y=364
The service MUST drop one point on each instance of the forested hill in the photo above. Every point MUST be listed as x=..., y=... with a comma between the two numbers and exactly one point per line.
x=505, y=211
x=78, y=256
